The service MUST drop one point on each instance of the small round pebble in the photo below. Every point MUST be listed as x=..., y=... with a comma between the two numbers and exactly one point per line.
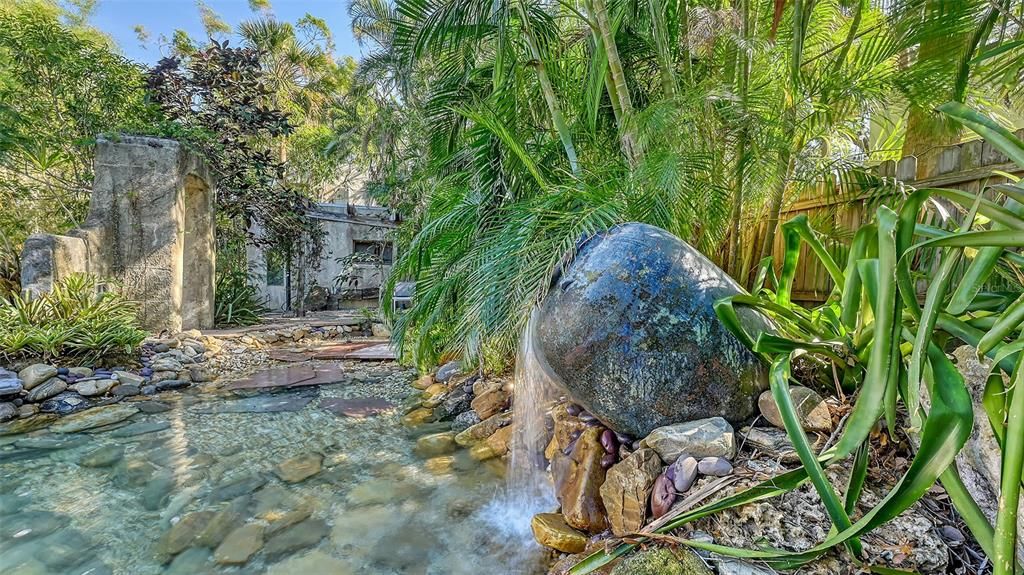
x=62, y=371
x=952, y=535
x=715, y=466
x=685, y=473
x=607, y=460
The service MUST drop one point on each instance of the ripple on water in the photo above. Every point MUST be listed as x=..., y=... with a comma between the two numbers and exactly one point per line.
x=373, y=508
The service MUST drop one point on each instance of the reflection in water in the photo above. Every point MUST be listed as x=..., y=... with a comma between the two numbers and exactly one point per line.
x=148, y=500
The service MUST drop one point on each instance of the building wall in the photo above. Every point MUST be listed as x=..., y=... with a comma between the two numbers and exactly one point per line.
x=343, y=226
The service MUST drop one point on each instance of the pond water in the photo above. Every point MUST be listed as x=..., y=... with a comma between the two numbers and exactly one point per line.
x=200, y=488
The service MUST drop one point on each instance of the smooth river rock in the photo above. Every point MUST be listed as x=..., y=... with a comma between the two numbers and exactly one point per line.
x=551, y=530
x=34, y=375
x=97, y=417
x=46, y=390
x=712, y=437
x=630, y=331
x=65, y=403
x=811, y=409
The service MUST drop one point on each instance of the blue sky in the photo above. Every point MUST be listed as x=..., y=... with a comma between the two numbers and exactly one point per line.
x=119, y=18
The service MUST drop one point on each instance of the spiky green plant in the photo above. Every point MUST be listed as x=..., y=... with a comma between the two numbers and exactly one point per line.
x=889, y=349
x=236, y=300
x=81, y=317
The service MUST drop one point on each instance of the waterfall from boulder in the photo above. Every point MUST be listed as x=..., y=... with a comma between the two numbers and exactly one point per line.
x=529, y=490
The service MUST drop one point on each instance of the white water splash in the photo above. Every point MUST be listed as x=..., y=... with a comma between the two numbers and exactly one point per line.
x=529, y=490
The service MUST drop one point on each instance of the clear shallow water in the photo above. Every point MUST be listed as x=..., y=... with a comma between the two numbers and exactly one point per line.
x=375, y=507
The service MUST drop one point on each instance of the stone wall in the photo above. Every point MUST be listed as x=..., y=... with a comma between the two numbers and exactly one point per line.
x=150, y=228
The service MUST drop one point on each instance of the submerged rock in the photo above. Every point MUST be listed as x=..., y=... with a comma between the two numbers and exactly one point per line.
x=299, y=468
x=630, y=330
x=297, y=537
x=240, y=545
x=103, y=457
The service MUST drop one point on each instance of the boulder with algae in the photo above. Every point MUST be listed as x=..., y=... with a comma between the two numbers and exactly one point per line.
x=630, y=329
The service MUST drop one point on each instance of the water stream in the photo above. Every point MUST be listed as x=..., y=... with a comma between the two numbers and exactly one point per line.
x=104, y=501
x=529, y=490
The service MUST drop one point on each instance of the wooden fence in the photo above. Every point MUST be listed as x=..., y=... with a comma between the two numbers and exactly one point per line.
x=971, y=166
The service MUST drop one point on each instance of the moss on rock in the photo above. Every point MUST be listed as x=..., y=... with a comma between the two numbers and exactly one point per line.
x=662, y=561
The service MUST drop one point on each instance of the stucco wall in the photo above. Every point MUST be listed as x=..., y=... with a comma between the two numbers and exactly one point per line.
x=343, y=225
x=149, y=228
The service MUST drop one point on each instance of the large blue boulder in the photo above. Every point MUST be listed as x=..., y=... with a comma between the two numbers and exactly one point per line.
x=629, y=329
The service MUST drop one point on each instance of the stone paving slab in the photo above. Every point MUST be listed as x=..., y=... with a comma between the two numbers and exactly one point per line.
x=378, y=352
x=339, y=350
x=356, y=407
x=324, y=376
x=275, y=377
x=290, y=355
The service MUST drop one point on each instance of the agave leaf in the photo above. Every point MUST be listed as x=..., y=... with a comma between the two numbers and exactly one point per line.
x=870, y=401
x=994, y=134
x=779, y=381
x=968, y=508
x=850, y=301
x=1005, y=536
x=1009, y=321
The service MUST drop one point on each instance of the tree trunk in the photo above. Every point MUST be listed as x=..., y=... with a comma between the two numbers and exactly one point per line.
x=557, y=119
x=604, y=25
x=733, y=257
x=661, y=40
x=775, y=206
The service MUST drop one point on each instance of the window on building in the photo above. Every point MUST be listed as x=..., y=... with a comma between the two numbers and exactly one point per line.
x=381, y=250
x=275, y=268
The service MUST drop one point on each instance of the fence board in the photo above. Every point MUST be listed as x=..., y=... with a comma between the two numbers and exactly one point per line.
x=968, y=166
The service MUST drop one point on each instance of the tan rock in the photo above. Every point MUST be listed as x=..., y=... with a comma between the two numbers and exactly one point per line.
x=439, y=465
x=434, y=390
x=551, y=530
x=482, y=386
x=494, y=446
x=578, y=478
x=299, y=468
x=240, y=545
x=490, y=403
x=480, y=431
x=423, y=382
x=810, y=408
x=417, y=416
x=183, y=534
x=435, y=444
x=626, y=489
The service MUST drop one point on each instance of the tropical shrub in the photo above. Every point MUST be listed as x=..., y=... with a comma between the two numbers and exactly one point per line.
x=883, y=345
x=10, y=268
x=237, y=301
x=61, y=84
x=80, y=318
